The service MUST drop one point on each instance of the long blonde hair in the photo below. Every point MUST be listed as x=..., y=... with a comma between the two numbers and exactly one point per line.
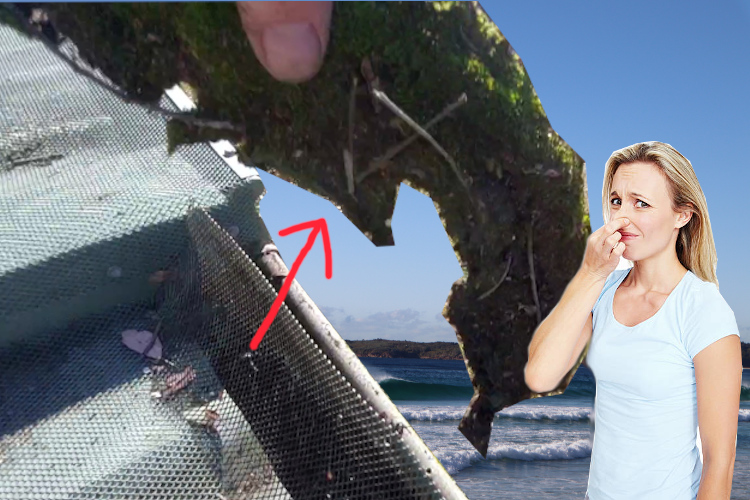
x=695, y=243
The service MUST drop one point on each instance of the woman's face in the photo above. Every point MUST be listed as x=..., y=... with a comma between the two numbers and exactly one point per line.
x=640, y=193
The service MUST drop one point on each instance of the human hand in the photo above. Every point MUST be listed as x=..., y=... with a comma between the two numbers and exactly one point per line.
x=288, y=38
x=604, y=249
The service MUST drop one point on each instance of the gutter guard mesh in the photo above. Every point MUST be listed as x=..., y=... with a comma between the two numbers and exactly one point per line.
x=102, y=232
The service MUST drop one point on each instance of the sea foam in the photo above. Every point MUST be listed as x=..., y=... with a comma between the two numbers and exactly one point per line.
x=455, y=460
x=526, y=412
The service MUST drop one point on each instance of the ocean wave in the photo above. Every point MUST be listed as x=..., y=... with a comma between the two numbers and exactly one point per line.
x=401, y=389
x=525, y=412
x=431, y=414
x=456, y=460
x=570, y=413
x=580, y=390
x=547, y=412
x=381, y=375
x=398, y=389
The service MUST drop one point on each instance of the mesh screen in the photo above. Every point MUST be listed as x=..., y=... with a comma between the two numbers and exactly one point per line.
x=102, y=232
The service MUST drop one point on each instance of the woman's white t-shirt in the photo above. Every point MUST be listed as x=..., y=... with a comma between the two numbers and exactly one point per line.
x=645, y=408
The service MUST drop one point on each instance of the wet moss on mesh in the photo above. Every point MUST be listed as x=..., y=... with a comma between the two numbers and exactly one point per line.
x=525, y=185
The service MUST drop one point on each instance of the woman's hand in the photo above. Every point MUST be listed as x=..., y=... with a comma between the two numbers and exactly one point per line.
x=604, y=249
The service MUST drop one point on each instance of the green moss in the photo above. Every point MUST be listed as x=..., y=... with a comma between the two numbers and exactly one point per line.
x=424, y=55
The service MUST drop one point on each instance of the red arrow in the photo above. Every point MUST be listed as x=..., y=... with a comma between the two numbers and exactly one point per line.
x=317, y=226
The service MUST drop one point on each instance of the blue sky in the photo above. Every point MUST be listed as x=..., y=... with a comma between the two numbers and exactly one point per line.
x=608, y=75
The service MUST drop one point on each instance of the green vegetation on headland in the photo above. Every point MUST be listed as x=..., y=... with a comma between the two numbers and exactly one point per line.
x=380, y=348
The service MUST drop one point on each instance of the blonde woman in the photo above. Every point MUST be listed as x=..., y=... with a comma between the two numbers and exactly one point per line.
x=665, y=348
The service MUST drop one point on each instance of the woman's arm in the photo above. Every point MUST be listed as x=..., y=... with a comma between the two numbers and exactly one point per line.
x=568, y=326
x=718, y=380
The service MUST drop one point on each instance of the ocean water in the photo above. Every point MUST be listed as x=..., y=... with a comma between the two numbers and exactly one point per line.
x=539, y=449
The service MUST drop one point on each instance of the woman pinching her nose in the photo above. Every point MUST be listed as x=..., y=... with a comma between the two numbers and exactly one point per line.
x=607, y=249
x=664, y=346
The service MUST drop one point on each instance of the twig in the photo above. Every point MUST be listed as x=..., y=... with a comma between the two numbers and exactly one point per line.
x=349, y=169
x=190, y=119
x=393, y=107
x=34, y=159
x=352, y=109
x=530, y=253
x=349, y=154
x=466, y=40
x=500, y=282
x=158, y=327
x=79, y=68
x=379, y=163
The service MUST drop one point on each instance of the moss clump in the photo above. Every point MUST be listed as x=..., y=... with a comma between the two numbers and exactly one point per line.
x=515, y=181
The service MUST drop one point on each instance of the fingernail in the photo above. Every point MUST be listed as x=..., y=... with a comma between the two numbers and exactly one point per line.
x=293, y=51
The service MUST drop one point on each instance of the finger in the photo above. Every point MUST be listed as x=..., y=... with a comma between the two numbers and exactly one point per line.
x=616, y=224
x=611, y=226
x=619, y=249
x=288, y=38
x=612, y=240
x=608, y=229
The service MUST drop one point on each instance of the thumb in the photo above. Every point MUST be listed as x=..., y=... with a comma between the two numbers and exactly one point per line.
x=288, y=38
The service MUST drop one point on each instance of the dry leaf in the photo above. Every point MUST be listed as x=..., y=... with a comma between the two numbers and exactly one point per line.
x=143, y=342
x=178, y=381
